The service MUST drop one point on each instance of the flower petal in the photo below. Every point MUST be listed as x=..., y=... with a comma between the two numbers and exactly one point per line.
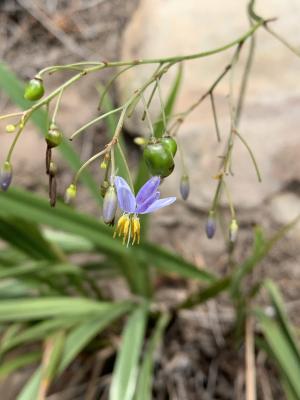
x=126, y=198
x=147, y=203
x=159, y=204
x=147, y=190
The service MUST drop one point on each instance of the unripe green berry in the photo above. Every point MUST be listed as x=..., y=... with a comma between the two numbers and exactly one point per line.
x=170, y=143
x=34, y=89
x=53, y=136
x=158, y=159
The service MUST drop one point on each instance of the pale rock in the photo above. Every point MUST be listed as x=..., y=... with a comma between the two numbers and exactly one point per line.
x=271, y=118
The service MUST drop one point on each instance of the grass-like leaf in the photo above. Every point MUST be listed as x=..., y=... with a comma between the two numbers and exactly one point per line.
x=126, y=367
x=144, y=385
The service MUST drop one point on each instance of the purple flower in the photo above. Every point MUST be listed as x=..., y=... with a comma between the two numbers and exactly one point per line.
x=146, y=201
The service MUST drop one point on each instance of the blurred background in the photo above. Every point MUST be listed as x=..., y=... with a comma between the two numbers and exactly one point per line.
x=38, y=33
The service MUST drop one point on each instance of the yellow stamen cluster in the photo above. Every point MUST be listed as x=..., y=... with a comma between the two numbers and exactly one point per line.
x=129, y=227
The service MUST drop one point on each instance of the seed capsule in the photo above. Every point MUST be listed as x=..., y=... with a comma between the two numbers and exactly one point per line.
x=169, y=143
x=6, y=176
x=34, y=89
x=158, y=159
x=210, y=227
x=233, y=231
x=184, y=187
x=53, y=136
x=70, y=193
x=110, y=206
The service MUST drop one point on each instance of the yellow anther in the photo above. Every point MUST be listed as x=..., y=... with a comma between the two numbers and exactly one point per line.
x=135, y=230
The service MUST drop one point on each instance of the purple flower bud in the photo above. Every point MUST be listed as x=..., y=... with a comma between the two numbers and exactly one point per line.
x=6, y=176
x=110, y=206
x=233, y=231
x=210, y=227
x=184, y=187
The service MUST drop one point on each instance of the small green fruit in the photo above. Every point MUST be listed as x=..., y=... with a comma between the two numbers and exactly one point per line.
x=53, y=136
x=170, y=144
x=158, y=159
x=34, y=89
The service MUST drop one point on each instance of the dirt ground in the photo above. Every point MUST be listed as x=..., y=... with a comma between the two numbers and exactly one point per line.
x=198, y=359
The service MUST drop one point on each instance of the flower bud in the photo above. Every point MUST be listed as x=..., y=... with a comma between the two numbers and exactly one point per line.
x=6, y=176
x=184, y=187
x=53, y=136
x=140, y=141
x=70, y=193
x=10, y=128
x=110, y=206
x=34, y=89
x=210, y=227
x=103, y=188
x=233, y=231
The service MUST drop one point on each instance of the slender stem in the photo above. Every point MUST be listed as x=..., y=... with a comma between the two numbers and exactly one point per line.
x=57, y=105
x=110, y=82
x=162, y=105
x=229, y=198
x=251, y=154
x=150, y=99
x=147, y=116
x=126, y=166
x=87, y=163
x=245, y=78
x=213, y=106
x=183, y=165
x=15, y=114
x=84, y=127
x=113, y=164
x=282, y=40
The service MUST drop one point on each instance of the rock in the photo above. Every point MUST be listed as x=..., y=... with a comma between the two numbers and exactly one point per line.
x=271, y=118
x=284, y=208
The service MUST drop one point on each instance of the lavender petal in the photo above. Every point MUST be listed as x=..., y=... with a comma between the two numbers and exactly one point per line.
x=147, y=190
x=159, y=204
x=147, y=203
x=126, y=198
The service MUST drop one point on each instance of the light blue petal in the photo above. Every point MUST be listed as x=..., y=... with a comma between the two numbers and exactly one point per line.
x=147, y=203
x=147, y=190
x=126, y=198
x=159, y=204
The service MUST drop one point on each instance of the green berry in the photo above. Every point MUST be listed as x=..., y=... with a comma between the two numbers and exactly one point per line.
x=34, y=89
x=53, y=136
x=158, y=159
x=170, y=144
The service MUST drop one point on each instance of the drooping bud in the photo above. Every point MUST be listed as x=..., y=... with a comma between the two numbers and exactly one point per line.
x=210, y=227
x=53, y=136
x=110, y=206
x=70, y=193
x=233, y=231
x=103, y=188
x=6, y=176
x=34, y=89
x=184, y=187
x=10, y=128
